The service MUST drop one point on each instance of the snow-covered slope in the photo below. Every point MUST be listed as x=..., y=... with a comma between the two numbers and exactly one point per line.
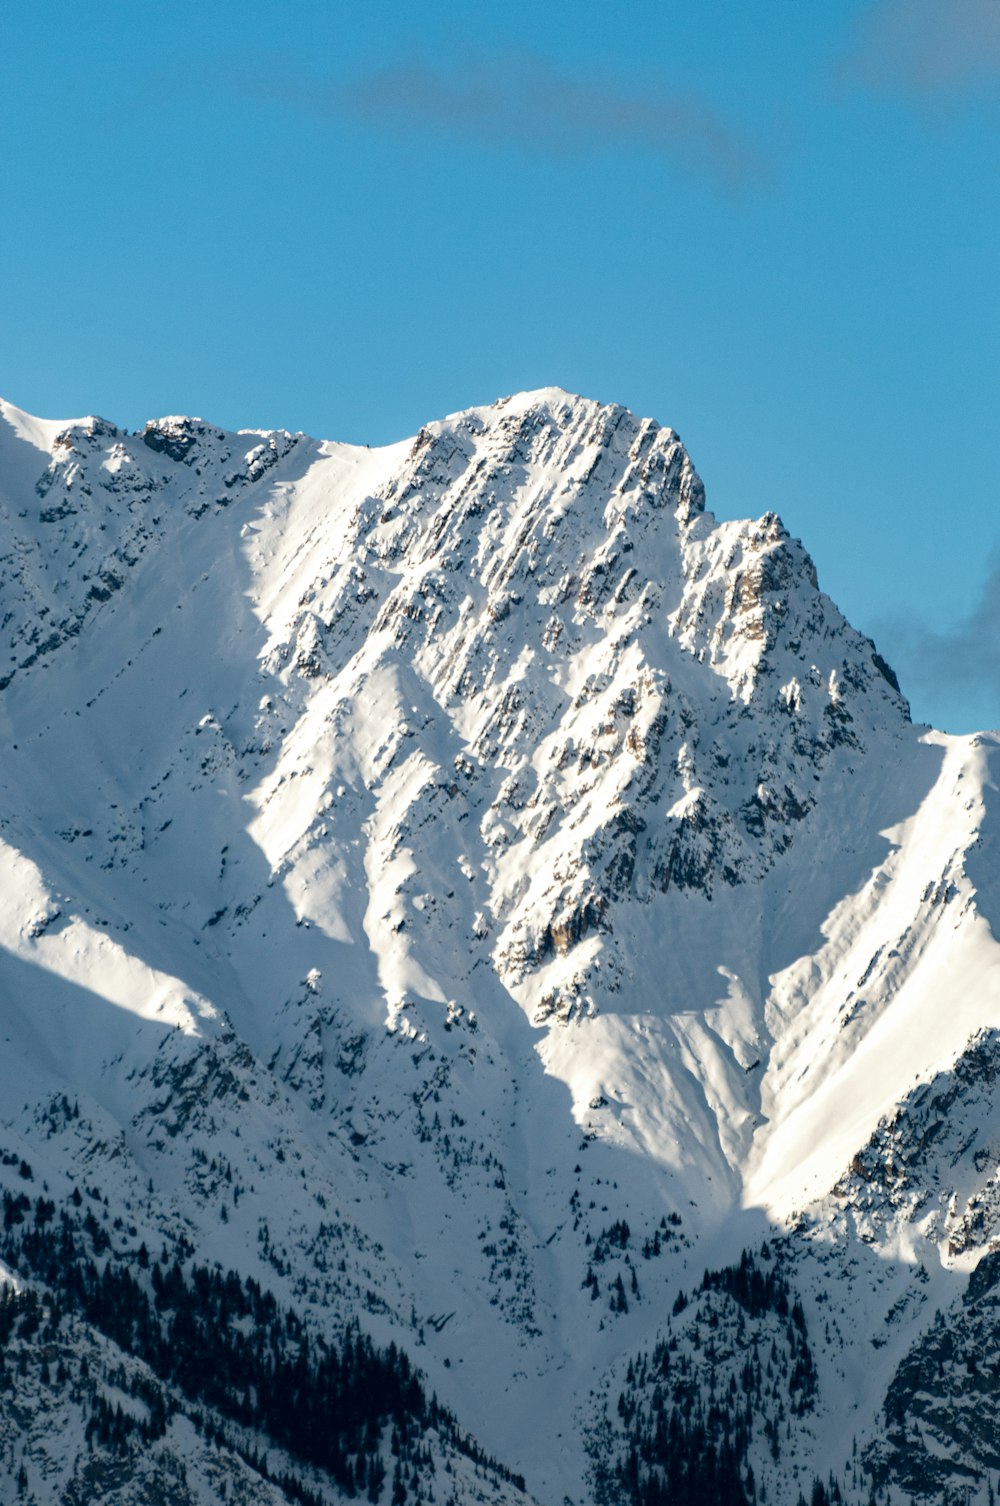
x=466, y=888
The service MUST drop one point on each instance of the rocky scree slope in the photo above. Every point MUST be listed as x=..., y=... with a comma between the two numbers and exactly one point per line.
x=468, y=890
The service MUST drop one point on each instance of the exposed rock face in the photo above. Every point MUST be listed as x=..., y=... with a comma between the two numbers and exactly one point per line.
x=467, y=887
x=942, y=1407
x=936, y=1161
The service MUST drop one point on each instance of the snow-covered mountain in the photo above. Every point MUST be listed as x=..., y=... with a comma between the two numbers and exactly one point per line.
x=472, y=895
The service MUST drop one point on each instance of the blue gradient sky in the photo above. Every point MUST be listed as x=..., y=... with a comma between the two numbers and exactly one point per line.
x=773, y=225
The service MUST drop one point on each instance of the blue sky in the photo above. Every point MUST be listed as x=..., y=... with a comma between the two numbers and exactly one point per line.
x=772, y=224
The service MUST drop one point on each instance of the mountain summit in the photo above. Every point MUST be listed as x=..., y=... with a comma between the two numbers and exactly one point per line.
x=481, y=905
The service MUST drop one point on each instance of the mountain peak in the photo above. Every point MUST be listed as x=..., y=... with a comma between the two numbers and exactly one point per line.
x=469, y=890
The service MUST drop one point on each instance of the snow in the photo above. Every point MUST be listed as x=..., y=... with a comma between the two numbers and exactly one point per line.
x=495, y=721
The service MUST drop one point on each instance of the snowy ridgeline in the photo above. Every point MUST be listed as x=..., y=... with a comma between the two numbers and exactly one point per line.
x=479, y=931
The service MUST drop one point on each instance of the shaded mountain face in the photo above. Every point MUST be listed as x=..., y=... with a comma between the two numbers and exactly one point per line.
x=469, y=891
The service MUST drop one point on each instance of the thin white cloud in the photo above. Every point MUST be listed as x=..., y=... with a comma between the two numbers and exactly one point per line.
x=932, y=48
x=961, y=657
x=525, y=101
